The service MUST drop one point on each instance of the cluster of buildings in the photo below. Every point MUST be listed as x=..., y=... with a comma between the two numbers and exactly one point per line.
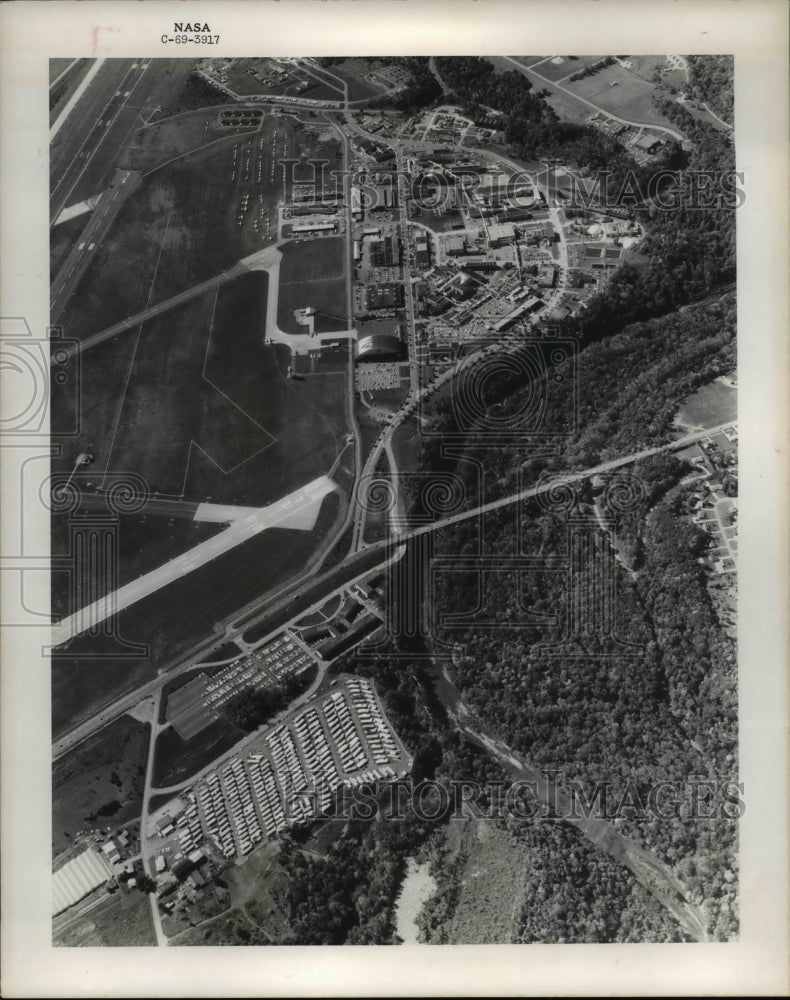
x=393, y=77
x=712, y=498
x=712, y=504
x=239, y=118
x=642, y=142
x=286, y=776
x=179, y=877
x=450, y=124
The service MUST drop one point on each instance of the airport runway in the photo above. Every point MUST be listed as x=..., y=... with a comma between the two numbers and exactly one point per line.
x=81, y=255
x=297, y=510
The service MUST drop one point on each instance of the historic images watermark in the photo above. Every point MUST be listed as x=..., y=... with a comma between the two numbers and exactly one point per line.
x=550, y=796
x=434, y=187
x=43, y=376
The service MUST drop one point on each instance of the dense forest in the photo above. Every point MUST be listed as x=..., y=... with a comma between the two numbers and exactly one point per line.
x=617, y=396
x=711, y=82
x=249, y=710
x=662, y=711
x=570, y=893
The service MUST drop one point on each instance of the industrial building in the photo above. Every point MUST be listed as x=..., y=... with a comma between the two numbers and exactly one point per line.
x=501, y=233
x=455, y=246
x=77, y=879
x=314, y=227
x=648, y=143
x=379, y=345
x=521, y=310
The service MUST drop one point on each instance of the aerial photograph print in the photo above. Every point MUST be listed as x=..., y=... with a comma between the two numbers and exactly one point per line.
x=393, y=499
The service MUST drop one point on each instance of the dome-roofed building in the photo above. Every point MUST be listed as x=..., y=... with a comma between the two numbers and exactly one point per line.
x=379, y=345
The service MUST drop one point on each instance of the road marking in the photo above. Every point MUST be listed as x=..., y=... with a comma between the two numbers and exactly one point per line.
x=74, y=98
x=96, y=148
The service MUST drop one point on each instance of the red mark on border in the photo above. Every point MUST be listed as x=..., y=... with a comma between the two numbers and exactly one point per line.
x=95, y=35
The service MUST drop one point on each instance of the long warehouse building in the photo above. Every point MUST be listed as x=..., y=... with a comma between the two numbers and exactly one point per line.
x=77, y=879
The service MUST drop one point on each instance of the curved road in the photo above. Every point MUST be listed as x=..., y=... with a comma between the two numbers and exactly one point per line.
x=583, y=100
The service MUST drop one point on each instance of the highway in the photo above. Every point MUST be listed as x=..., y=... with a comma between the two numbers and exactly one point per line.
x=91, y=238
x=156, y=919
x=268, y=615
x=99, y=122
x=351, y=513
x=274, y=610
x=298, y=510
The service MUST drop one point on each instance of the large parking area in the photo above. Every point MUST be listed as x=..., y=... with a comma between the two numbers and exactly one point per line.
x=289, y=774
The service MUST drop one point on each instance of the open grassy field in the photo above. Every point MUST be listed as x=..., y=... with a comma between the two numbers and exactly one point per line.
x=181, y=226
x=647, y=66
x=312, y=274
x=199, y=407
x=709, y=406
x=214, y=392
x=189, y=92
x=90, y=672
x=122, y=920
x=620, y=92
x=630, y=98
x=256, y=916
x=354, y=71
x=230, y=928
x=174, y=416
x=108, y=767
x=176, y=759
x=556, y=67
x=181, y=134
x=490, y=883
x=144, y=542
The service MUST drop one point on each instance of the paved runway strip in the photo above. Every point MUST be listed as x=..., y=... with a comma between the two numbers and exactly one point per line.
x=298, y=510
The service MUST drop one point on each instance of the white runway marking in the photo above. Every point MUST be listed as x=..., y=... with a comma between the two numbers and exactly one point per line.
x=300, y=513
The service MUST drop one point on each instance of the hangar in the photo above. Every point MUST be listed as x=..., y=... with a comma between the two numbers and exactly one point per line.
x=379, y=345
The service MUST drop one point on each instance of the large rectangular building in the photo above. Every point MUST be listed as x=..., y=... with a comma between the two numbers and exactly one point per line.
x=77, y=879
x=501, y=233
x=314, y=227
